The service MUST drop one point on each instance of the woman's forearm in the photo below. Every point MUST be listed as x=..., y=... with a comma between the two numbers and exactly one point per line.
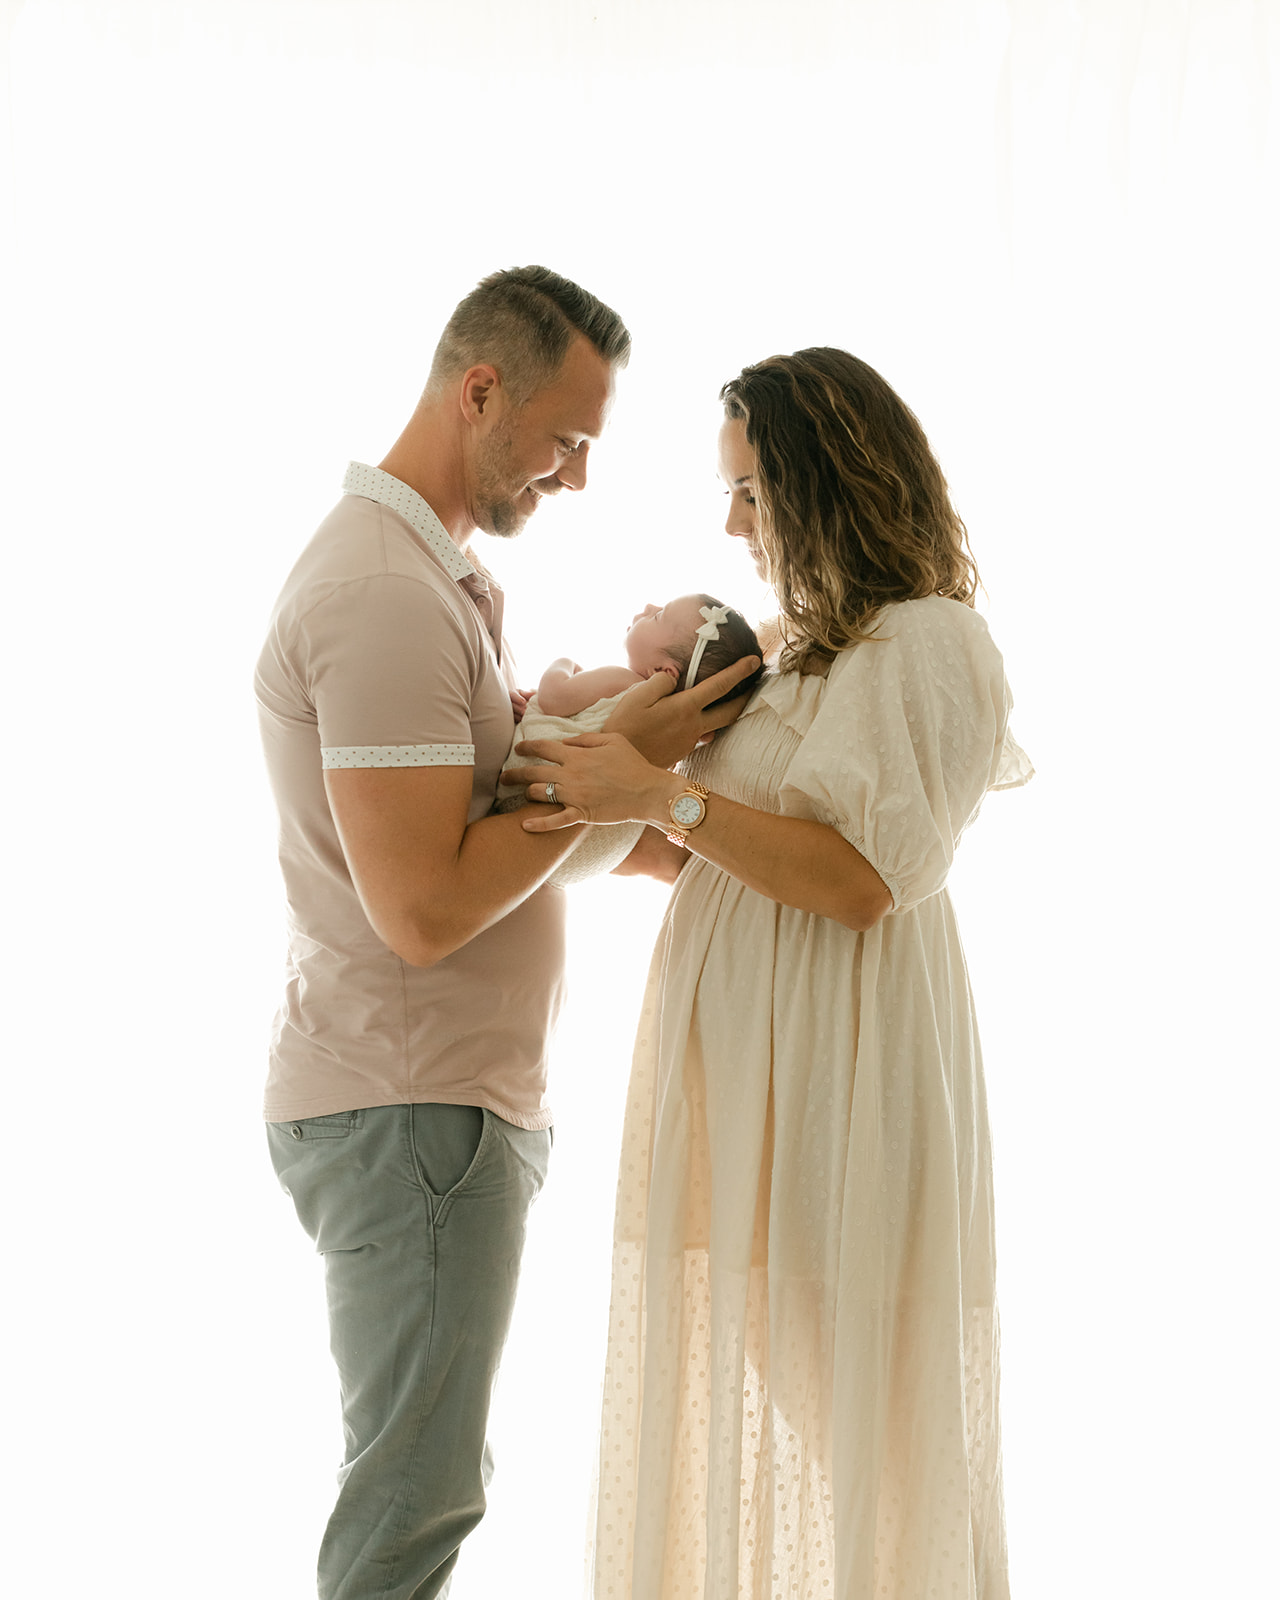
x=790, y=859
x=603, y=778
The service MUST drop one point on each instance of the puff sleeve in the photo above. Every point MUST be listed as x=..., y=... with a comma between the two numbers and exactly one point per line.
x=911, y=732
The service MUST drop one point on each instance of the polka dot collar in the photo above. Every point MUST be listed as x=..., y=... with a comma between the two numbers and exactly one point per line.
x=374, y=484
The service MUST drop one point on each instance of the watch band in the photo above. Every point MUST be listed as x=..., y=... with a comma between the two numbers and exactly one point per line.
x=679, y=832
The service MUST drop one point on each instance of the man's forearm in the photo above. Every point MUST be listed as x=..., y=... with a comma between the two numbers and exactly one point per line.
x=429, y=881
x=493, y=872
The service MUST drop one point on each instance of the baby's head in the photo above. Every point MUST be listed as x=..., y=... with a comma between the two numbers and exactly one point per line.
x=664, y=639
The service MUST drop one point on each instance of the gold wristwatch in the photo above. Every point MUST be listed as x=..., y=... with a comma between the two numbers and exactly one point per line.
x=687, y=811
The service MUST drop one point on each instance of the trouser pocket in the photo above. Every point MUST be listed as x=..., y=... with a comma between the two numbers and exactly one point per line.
x=445, y=1141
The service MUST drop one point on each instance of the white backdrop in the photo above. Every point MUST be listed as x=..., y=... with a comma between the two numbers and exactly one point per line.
x=235, y=228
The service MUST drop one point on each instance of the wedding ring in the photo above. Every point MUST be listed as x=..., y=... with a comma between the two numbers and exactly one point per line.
x=551, y=794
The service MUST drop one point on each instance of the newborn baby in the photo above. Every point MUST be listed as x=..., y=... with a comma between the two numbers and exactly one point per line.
x=690, y=639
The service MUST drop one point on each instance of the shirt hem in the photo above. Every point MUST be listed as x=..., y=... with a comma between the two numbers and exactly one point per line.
x=330, y=1105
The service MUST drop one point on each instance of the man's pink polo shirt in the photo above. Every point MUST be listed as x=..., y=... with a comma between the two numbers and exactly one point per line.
x=377, y=657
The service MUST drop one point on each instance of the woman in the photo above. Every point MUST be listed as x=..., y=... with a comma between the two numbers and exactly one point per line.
x=801, y=1388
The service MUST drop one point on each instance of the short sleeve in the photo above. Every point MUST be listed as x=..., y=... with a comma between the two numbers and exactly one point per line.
x=391, y=670
x=911, y=732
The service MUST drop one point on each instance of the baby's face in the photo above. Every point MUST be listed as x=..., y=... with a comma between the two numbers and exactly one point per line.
x=656, y=629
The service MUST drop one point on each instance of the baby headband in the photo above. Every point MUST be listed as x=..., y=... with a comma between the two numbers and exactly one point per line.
x=709, y=630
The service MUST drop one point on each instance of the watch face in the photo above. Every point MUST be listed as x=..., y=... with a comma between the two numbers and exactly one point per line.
x=687, y=810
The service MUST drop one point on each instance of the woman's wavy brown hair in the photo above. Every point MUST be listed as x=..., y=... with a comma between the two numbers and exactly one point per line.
x=852, y=508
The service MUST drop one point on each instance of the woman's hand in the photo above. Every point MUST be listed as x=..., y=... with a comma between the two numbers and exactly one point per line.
x=665, y=723
x=598, y=777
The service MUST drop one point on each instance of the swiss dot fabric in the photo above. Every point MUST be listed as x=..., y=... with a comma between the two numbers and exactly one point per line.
x=800, y=1400
x=375, y=484
x=399, y=755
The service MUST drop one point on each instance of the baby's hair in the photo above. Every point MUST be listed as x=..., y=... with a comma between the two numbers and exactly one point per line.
x=737, y=639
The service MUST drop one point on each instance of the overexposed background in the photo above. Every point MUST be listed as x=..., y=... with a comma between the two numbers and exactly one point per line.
x=233, y=230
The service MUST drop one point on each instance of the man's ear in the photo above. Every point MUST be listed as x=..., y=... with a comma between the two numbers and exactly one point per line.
x=480, y=394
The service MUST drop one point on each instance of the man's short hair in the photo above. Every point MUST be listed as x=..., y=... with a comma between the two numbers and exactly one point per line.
x=522, y=321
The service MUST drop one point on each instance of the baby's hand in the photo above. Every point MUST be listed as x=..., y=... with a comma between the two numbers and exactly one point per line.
x=519, y=701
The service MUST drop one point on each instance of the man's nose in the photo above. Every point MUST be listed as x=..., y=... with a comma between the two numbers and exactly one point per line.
x=573, y=474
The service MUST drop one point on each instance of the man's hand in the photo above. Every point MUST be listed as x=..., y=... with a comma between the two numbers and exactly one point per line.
x=654, y=856
x=665, y=724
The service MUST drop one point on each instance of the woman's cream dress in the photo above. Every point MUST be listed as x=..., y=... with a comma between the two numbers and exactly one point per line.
x=800, y=1396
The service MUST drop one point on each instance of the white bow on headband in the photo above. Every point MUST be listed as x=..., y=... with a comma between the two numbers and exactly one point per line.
x=709, y=630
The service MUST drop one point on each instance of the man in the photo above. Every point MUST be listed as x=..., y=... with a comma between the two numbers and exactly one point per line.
x=405, y=1100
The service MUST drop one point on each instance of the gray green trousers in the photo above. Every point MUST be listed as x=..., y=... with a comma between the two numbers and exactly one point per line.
x=419, y=1212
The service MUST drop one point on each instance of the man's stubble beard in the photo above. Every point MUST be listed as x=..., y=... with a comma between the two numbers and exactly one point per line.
x=498, y=511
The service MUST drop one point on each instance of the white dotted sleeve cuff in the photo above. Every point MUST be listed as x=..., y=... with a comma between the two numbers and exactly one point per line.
x=399, y=755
